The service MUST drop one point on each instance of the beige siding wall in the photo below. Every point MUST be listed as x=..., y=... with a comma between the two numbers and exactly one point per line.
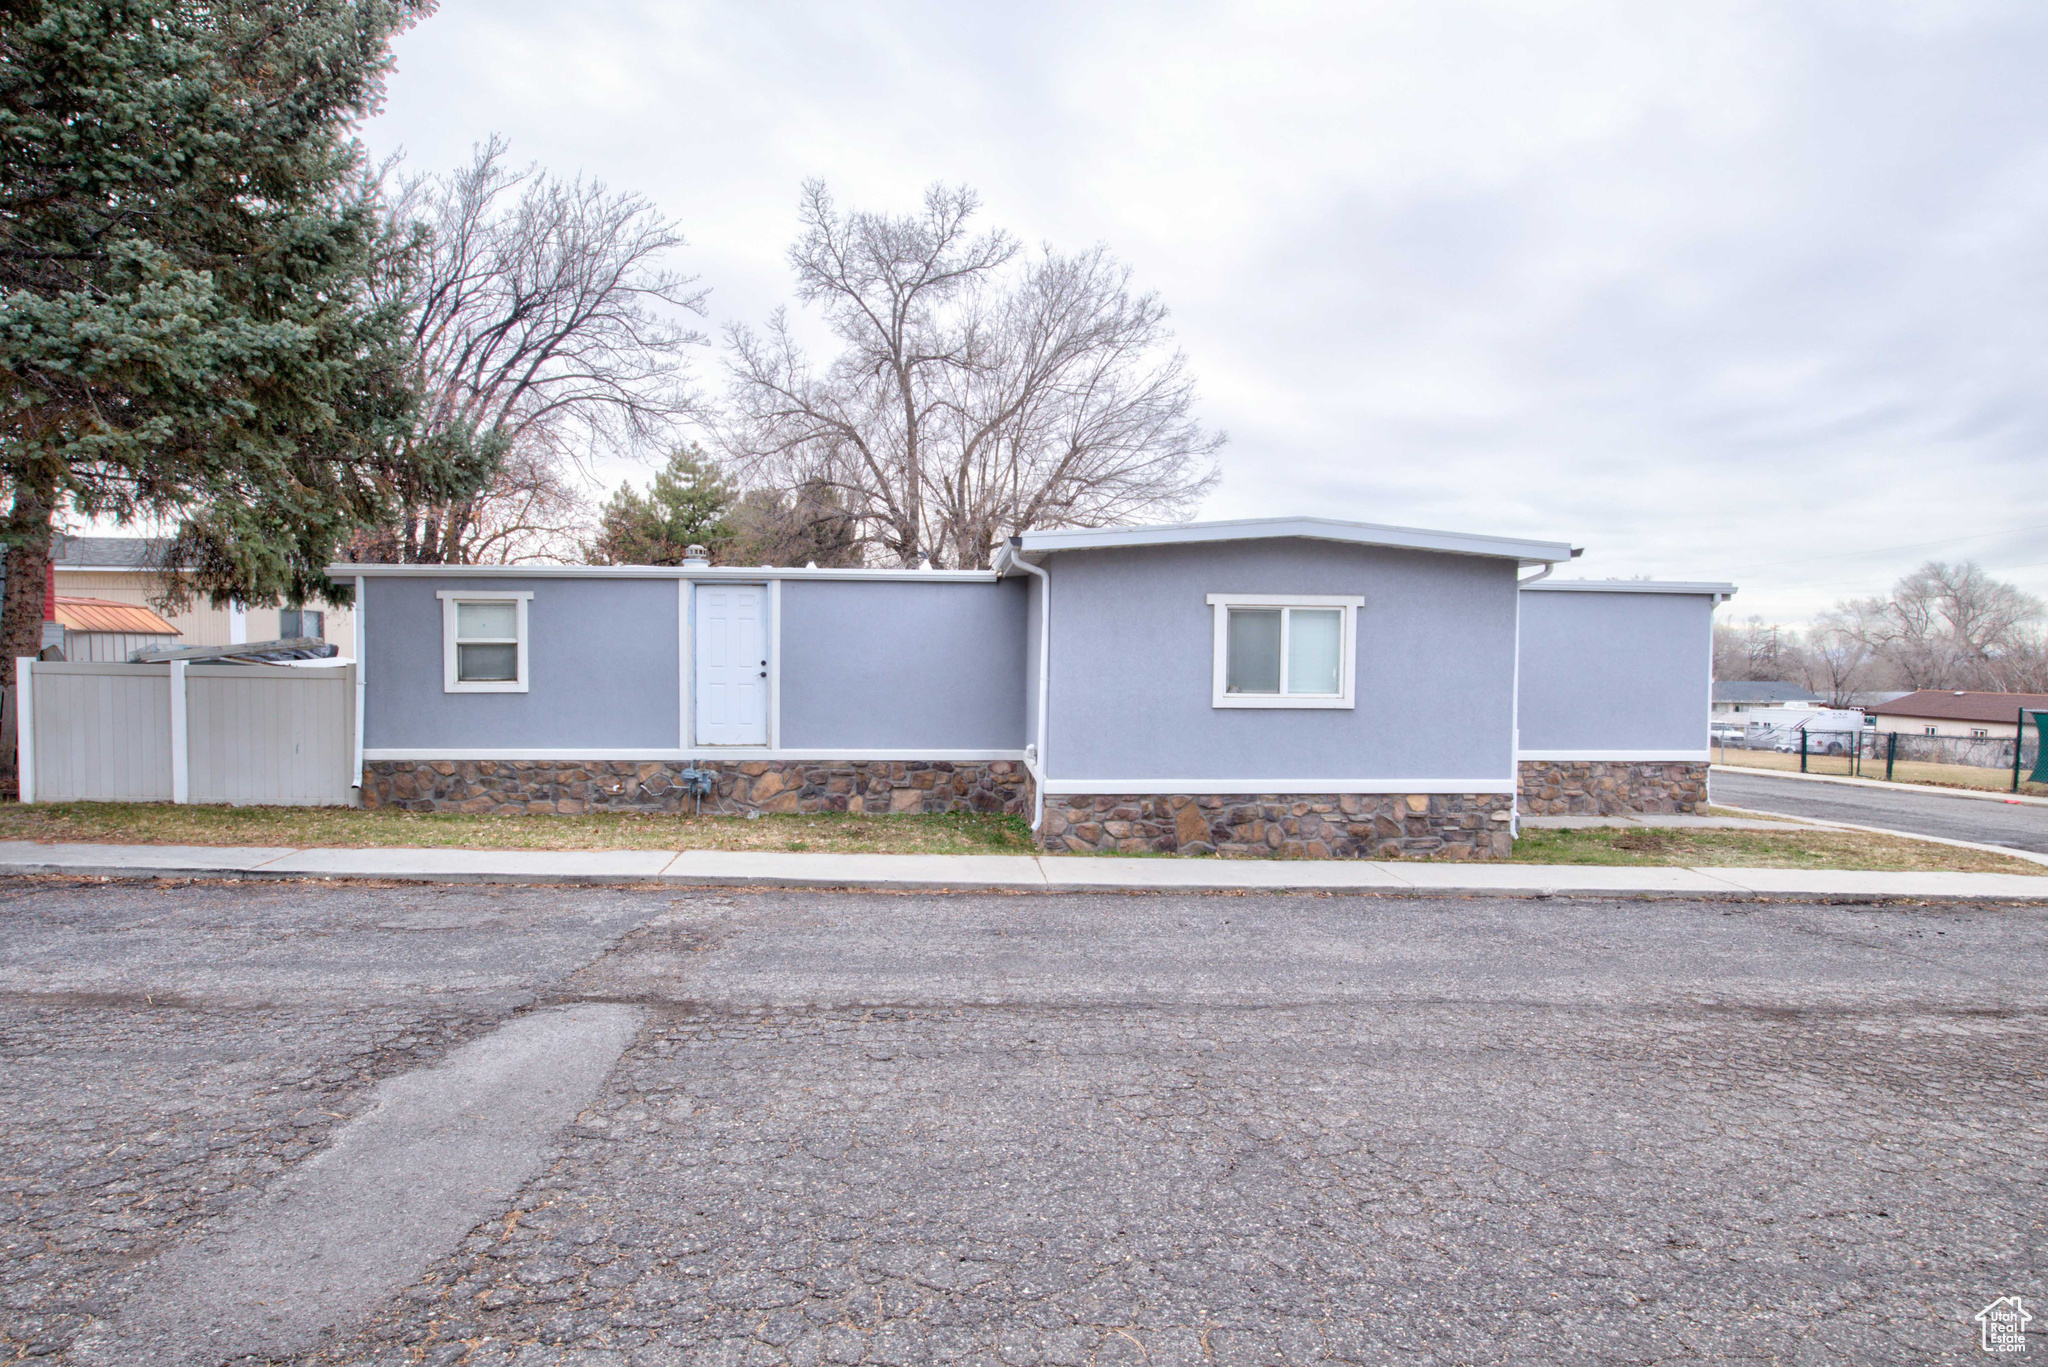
x=1917, y=726
x=110, y=646
x=202, y=624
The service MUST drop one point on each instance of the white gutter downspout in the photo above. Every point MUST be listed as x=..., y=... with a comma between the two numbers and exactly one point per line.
x=362, y=643
x=1515, y=703
x=1010, y=560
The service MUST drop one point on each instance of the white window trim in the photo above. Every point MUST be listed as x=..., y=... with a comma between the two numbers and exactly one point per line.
x=1221, y=603
x=449, y=598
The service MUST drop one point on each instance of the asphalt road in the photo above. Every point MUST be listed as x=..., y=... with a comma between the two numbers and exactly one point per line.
x=1037, y=1130
x=2020, y=825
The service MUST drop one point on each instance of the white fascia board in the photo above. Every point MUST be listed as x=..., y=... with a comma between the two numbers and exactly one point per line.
x=1615, y=756
x=1628, y=586
x=1035, y=544
x=723, y=752
x=1273, y=787
x=742, y=573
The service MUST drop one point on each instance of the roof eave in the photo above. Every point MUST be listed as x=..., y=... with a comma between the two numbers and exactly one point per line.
x=741, y=572
x=1034, y=546
x=1687, y=586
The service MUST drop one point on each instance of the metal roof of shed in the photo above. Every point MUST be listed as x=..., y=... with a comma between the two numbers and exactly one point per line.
x=1034, y=545
x=104, y=614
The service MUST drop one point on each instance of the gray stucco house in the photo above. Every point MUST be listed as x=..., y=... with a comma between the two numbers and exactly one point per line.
x=1289, y=685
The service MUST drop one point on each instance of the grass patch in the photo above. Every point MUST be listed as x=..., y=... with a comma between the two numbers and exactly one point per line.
x=1793, y=849
x=152, y=823
x=847, y=833
x=1905, y=771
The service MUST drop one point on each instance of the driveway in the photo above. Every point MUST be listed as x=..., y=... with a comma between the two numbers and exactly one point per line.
x=1041, y=1130
x=2023, y=826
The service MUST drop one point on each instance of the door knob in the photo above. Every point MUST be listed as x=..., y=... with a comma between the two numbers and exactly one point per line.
x=764, y=673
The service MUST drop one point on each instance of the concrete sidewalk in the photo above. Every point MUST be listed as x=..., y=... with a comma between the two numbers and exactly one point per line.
x=987, y=873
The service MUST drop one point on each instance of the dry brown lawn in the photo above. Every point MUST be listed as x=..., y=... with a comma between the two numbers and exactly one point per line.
x=1795, y=848
x=841, y=833
x=1905, y=771
x=148, y=823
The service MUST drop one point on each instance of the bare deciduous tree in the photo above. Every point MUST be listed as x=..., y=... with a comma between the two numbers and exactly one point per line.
x=979, y=390
x=544, y=324
x=1758, y=650
x=1835, y=661
x=1948, y=626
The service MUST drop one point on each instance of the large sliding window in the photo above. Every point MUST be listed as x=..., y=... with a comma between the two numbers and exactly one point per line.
x=1282, y=651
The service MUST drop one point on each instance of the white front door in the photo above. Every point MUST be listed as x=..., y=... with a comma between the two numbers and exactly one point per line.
x=732, y=664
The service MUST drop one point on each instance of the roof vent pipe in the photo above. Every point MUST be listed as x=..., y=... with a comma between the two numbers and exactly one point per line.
x=696, y=558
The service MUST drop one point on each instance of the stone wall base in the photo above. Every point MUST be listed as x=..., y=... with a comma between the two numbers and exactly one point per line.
x=1611, y=787
x=1351, y=826
x=889, y=787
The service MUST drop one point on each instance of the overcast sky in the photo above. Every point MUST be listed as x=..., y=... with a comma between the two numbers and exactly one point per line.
x=1717, y=291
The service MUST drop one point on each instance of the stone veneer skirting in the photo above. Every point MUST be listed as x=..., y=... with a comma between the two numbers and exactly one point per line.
x=1611, y=787
x=1322, y=826
x=569, y=787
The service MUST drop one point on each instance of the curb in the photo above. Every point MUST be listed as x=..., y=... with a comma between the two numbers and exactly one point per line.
x=1728, y=891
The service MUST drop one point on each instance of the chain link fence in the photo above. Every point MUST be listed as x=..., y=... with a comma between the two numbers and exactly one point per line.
x=1870, y=753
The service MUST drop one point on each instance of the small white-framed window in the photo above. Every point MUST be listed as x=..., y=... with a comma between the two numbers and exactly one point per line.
x=1933, y=731
x=483, y=641
x=1980, y=733
x=1284, y=650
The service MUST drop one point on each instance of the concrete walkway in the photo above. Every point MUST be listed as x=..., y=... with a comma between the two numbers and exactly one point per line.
x=984, y=873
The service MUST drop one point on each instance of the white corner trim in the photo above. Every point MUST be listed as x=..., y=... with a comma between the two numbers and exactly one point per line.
x=774, y=664
x=1278, y=787
x=1347, y=651
x=1615, y=756
x=685, y=646
x=726, y=752
x=449, y=598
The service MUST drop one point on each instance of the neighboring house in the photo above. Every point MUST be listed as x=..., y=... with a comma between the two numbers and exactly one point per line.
x=102, y=629
x=1733, y=697
x=1293, y=685
x=126, y=569
x=1946, y=712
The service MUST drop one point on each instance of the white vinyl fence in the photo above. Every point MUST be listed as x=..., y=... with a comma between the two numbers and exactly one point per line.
x=178, y=732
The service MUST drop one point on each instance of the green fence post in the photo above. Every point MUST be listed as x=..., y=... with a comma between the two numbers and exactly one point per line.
x=1891, y=753
x=2019, y=736
x=1802, y=751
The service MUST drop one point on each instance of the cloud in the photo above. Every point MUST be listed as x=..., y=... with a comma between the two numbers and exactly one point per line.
x=1747, y=292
